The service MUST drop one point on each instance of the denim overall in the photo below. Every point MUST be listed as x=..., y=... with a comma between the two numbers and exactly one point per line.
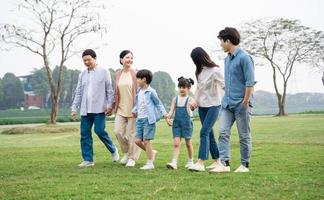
x=182, y=124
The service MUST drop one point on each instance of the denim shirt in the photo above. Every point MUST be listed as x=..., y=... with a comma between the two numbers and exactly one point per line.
x=103, y=94
x=153, y=104
x=239, y=74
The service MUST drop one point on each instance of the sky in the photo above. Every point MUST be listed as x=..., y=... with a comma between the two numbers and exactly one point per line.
x=162, y=33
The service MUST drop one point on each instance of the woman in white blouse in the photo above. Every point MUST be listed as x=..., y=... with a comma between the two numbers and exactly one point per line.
x=210, y=90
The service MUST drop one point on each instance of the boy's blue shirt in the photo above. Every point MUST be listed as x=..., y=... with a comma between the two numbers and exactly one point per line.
x=153, y=105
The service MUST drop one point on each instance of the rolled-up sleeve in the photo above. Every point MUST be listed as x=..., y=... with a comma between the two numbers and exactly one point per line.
x=77, y=96
x=248, y=71
x=110, y=96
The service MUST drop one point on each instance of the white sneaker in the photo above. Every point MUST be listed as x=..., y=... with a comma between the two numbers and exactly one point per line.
x=86, y=164
x=220, y=168
x=124, y=160
x=154, y=154
x=147, y=167
x=172, y=165
x=242, y=169
x=130, y=163
x=197, y=167
x=212, y=166
x=115, y=156
x=189, y=164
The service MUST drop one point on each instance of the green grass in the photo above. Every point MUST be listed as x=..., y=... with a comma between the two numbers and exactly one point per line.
x=287, y=163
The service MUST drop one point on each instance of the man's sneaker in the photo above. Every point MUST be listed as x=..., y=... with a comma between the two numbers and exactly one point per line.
x=172, y=165
x=154, y=154
x=124, y=160
x=86, y=164
x=147, y=167
x=189, y=164
x=220, y=168
x=197, y=167
x=212, y=166
x=242, y=169
x=130, y=163
x=115, y=156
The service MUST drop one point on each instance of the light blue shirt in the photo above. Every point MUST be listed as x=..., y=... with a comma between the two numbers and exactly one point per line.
x=239, y=74
x=100, y=93
x=153, y=105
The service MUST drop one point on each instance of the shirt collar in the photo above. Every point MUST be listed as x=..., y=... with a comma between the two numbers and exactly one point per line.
x=237, y=50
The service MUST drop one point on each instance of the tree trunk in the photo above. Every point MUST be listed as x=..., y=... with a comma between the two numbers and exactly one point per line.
x=53, y=111
x=282, y=111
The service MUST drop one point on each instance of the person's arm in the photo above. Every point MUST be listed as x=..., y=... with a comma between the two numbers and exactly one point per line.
x=134, y=110
x=77, y=98
x=248, y=70
x=219, y=77
x=172, y=108
x=109, y=94
x=157, y=102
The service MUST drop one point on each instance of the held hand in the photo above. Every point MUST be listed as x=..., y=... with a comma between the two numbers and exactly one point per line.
x=245, y=104
x=193, y=104
x=168, y=121
x=73, y=115
x=108, y=111
x=134, y=115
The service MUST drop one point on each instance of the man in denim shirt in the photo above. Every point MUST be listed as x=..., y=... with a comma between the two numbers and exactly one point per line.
x=95, y=97
x=236, y=103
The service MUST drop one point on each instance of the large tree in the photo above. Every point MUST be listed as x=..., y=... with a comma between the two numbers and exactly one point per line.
x=282, y=43
x=13, y=92
x=53, y=26
x=1, y=95
x=165, y=87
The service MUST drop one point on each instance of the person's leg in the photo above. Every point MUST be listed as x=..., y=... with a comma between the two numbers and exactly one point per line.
x=213, y=114
x=133, y=150
x=226, y=119
x=120, y=132
x=86, y=138
x=149, y=150
x=176, y=148
x=99, y=128
x=189, y=149
x=139, y=134
x=203, y=146
x=243, y=127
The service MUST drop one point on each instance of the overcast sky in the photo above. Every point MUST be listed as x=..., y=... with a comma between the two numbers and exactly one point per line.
x=162, y=33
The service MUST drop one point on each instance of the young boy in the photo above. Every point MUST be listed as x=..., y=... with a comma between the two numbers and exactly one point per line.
x=147, y=110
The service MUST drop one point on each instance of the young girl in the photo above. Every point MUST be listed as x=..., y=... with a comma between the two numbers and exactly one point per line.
x=182, y=124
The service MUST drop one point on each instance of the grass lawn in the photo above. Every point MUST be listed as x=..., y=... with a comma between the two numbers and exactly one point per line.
x=287, y=163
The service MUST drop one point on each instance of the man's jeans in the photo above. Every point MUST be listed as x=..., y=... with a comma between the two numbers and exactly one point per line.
x=99, y=127
x=242, y=117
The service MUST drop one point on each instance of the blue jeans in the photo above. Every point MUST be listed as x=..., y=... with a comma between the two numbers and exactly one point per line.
x=242, y=117
x=144, y=130
x=86, y=139
x=208, y=117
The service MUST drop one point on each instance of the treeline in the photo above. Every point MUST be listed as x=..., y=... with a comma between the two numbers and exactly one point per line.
x=12, y=88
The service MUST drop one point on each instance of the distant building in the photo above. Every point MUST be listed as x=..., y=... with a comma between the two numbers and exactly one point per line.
x=31, y=99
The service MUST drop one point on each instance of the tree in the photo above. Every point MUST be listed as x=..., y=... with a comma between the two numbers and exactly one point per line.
x=12, y=90
x=57, y=25
x=165, y=87
x=282, y=43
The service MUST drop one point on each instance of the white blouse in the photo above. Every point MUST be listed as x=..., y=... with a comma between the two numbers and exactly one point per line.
x=210, y=87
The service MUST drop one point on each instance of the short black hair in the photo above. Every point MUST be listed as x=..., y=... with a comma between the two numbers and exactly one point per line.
x=230, y=34
x=144, y=73
x=89, y=52
x=123, y=54
x=185, y=82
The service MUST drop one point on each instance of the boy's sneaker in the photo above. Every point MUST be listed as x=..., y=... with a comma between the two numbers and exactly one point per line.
x=220, y=168
x=212, y=166
x=154, y=154
x=189, y=164
x=130, y=163
x=147, y=167
x=242, y=169
x=124, y=160
x=197, y=168
x=86, y=164
x=172, y=165
x=115, y=156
